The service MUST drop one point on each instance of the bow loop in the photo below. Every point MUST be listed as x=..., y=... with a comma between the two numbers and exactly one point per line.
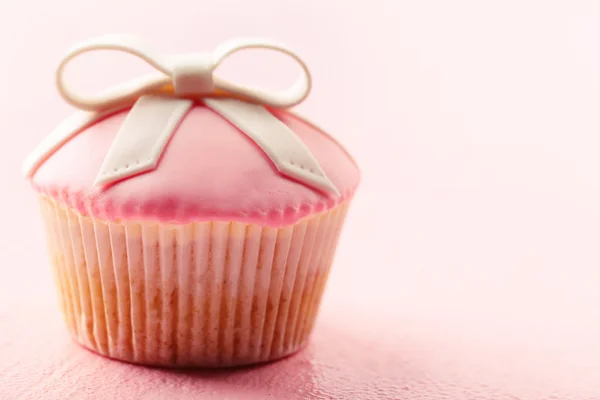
x=293, y=95
x=120, y=95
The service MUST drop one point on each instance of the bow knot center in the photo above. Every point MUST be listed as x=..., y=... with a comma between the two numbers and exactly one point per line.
x=193, y=75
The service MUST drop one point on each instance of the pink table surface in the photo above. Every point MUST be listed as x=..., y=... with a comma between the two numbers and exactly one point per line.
x=469, y=266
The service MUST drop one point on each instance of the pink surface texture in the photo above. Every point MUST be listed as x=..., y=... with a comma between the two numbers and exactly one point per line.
x=468, y=268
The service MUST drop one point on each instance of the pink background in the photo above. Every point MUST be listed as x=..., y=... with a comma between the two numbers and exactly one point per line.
x=469, y=266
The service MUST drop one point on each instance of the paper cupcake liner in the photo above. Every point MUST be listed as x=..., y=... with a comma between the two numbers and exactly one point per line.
x=201, y=294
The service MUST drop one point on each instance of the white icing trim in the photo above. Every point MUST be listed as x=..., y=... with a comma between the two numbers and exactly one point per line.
x=65, y=131
x=160, y=101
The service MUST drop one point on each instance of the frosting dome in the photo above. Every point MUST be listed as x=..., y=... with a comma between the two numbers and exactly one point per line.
x=209, y=170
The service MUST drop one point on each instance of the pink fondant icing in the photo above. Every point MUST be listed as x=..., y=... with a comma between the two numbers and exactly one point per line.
x=209, y=171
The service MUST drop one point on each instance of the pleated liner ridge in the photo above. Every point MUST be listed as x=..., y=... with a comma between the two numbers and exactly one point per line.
x=199, y=294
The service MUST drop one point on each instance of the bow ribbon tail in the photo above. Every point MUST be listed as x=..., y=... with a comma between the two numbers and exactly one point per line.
x=142, y=138
x=288, y=153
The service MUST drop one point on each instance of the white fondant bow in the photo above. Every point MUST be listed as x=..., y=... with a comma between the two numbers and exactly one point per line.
x=190, y=74
x=160, y=101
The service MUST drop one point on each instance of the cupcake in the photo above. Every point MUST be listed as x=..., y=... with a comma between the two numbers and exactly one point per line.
x=191, y=221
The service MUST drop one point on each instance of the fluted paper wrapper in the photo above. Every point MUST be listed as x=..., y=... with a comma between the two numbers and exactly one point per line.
x=200, y=294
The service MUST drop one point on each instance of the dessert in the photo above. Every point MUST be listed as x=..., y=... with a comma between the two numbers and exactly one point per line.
x=191, y=221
